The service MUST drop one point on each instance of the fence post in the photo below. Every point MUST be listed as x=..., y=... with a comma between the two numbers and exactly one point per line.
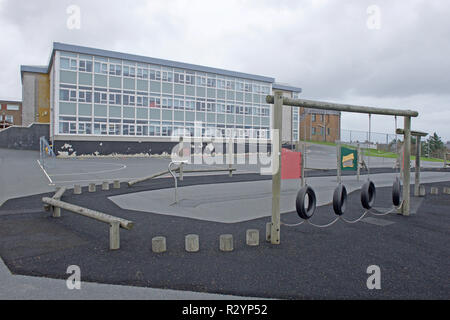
x=276, y=176
x=406, y=167
x=417, y=169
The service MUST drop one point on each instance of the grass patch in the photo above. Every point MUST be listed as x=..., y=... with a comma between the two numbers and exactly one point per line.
x=391, y=155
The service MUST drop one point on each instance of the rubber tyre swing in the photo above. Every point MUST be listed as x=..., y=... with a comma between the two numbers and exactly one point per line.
x=340, y=200
x=306, y=213
x=368, y=195
x=396, y=192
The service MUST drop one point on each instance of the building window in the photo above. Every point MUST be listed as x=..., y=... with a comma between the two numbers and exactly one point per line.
x=179, y=77
x=115, y=69
x=9, y=118
x=155, y=74
x=12, y=107
x=100, y=67
x=155, y=102
x=85, y=66
x=313, y=130
x=142, y=73
x=100, y=97
x=68, y=63
x=313, y=117
x=129, y=71
x=68, y=93
x=115, y=98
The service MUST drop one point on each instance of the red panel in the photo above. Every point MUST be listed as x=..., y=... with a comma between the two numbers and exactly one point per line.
x=290, y=164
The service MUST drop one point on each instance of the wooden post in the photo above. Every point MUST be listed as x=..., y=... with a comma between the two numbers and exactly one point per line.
x=338, y=163
x=303, y=159
x=114, y=235
x=276, y=176
x=407, y=167
x=230, y=155
x=417, y=169
x=56, y=212
x=180, y=174
x=100, y=216
x=358, y=166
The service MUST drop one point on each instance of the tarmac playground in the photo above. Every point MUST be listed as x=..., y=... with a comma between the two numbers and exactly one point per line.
x=310, y=262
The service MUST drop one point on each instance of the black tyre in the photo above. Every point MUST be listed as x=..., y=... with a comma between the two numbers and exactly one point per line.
x=340, y=200
x=368, y=195
x=306, y=213
x=396, y=192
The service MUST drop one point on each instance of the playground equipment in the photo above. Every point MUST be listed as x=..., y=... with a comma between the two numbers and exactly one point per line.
x=368, y=189
x=55, y=204
x=45, y=151
x=418, y=135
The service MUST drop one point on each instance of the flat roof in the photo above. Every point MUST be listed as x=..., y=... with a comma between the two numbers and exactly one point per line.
x=286, y=87
x=167, y=63
x=58, y=46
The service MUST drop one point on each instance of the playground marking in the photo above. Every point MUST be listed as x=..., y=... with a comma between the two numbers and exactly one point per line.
x=123, y=166
x=45, y=172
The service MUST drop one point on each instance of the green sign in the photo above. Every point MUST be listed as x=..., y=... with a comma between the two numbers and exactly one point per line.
x=349, y=159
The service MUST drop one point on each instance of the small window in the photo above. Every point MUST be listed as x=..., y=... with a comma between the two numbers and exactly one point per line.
x=12, y=107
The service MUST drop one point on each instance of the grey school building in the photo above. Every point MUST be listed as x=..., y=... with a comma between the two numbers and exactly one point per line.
x=109, y=102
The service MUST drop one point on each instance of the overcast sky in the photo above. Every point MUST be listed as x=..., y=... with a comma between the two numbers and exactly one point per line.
x=375, y=53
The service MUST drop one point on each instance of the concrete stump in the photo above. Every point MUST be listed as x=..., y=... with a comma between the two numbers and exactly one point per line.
x=56, y=212
x=226, y=242
x=252, y=237
x=434, y=190
x=114, y=235
x=422, y=191
x=268, y=231
x=159, y=244
x=77, y=189
x=105, y=185
x=192, y=243
x=116, y=184
x=92, y=187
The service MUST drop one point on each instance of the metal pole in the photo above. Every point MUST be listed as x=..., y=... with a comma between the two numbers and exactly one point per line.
x=407, y=167
x=417, y=170
x=276, y=177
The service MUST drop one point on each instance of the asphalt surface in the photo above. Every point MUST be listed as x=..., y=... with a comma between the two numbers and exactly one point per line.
x=310, y=263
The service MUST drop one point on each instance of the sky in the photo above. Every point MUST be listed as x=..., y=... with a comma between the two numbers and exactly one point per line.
x=391, y=54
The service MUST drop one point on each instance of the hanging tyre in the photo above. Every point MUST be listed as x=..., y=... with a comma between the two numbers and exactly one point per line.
x=396, y=192
x=340, y=200
x=305, y=196
x=368, y=194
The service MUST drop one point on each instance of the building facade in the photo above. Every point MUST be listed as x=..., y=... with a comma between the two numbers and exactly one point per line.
x=10, y=113
x=124, y=103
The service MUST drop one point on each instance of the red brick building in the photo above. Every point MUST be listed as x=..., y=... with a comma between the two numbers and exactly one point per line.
x=10, y=113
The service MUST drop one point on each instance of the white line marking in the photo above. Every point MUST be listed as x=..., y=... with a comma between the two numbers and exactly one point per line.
x=92, y=172
x=45, y=172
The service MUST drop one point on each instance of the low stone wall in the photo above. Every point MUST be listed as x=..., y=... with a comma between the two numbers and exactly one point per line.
x=24, y=138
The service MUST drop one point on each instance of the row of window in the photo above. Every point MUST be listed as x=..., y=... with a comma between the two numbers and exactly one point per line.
x=7, y=117
x=157, y=129
x=162, y=74
x=319, y=131
x=140, y=100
